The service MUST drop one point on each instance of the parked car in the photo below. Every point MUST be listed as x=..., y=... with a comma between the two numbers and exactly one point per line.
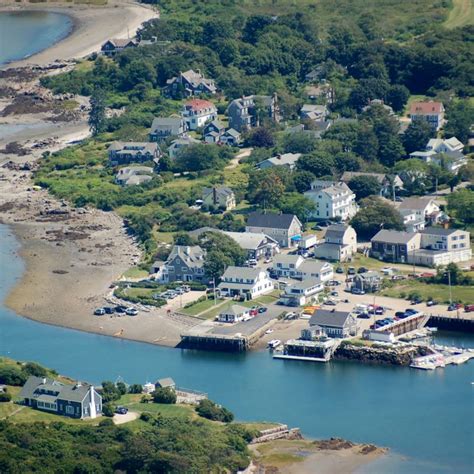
x=262, y=309
x=131, y=312
x=330, y=303
x=362, y=270
x=431, y=303
x=363, y=316
x=411, y=311
x=469, y=308
x=109, y=309
x=339, y=270
x=454, y=306
x=121, y=410
x=99, y=312
x=268, y=331
x=400, y=314
x=268, y=260
x=357, y=291
x=120, y=308
x=416, y=301
x=351, y=271
x=379, y=310
x=334, y=293
x=398, y=277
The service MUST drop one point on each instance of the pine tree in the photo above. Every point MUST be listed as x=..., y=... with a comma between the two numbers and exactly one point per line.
x=97, y=113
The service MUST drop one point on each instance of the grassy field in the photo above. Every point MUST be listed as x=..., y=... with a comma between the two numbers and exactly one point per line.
x=438, y=292
x=462, y=14
x=203, y=306
x=135, y=273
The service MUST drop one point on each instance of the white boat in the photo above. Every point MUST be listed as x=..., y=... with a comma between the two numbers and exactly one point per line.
x=429, y=362
x=274, y=343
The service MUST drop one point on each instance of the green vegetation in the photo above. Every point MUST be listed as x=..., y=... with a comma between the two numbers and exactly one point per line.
x=201, y=306
x=166, y=396
x=208, y=409
x=462, y=14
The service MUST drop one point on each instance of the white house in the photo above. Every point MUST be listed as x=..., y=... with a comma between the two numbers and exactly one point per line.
x=197, y=112
x=233, y=314
x=219, y=196
x=431, y=112
x=295, y=266
x=284, y=228
x=301, y=292
x=423, y=207
x=332, y=200
x=446, y=153
x=412, y=220
x=340, y=243
x=314, y=112
x=245, y=282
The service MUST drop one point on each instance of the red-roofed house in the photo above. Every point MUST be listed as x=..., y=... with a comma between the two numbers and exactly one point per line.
x=431, y=112
x=197, y=112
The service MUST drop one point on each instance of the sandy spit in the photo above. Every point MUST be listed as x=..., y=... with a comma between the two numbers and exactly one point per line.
x=92, y=27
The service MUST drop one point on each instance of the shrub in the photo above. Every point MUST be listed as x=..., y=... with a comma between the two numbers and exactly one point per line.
x=164, y=395
x=135, y=388
x=146, y=416
x=5, y=397
x=12, y=376
x=107, y=409
x=32, y=368
x=210, y=410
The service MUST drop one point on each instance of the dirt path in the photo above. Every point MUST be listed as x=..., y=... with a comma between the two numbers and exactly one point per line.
x=462, y=14
x=234, y=162
x=121, y=419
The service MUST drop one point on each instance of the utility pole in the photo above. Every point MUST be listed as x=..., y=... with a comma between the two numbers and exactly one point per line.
x=450, y=290
x=214, y=286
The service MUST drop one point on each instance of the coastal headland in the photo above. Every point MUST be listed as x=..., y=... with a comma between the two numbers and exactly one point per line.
x=92, y=26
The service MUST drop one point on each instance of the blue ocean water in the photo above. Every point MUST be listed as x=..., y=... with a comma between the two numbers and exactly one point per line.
x=24, y=33
x=425, y=418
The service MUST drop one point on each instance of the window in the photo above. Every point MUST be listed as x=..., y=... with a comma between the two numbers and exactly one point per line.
x=70, y=410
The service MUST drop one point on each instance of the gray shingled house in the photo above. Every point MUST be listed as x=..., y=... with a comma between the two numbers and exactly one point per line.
x=80, y=400
x=284, y=228
x=334, y=323
x=185, y=263
x=164, y=127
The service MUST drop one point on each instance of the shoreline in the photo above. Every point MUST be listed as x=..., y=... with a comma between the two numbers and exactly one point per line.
x=91, y=27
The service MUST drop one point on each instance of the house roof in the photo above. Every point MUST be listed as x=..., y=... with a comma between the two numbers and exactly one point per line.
x=133, y=147
x=192, y=255
x=196, y=78
x=271, y=220
x=313, y=108
x=120, y=42
x=303, y=284
x=415, y=203
x=393, y=236
x=336, y=231
x=288, y=159
x=215, y=123
x=287, y=259
x=165, y=382
x=438, y=231
x=313, y=266
x=368, y=275
x=426, y=108
x=328, y=317
x=221, y=191
x=174, y=124
x=199, y=105
x=249, y=240
x=242, y=272
x=348, y=175
x=233, y=133
x=235, y=309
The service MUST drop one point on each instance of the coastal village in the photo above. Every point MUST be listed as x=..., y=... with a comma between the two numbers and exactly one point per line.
x=216, y=177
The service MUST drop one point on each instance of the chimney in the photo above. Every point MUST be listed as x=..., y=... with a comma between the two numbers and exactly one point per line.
x=214, y=195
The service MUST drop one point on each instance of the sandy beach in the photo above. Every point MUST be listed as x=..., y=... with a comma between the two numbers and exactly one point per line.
x=93, y=25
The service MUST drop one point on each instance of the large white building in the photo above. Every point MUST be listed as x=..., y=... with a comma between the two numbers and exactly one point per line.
x=244, y=281
x=446, y=153
x=295, y=266
x=332, y=199
x=340, y=243
x=197, y=112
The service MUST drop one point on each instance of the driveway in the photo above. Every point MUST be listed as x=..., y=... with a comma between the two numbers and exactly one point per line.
x=121, y=419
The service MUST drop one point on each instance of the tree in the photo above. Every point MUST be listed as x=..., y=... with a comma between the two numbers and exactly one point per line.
x=397, y=97
x=108, y=409
x=11, y=375
x=121, y=388
x=183, y=238
x=110, y=392
x=298, y=143
x=135, y=388
x=97, y=111
x=208, y=409
x=416, y=136
x=461, y=204
x=460, y=116
x=265, y=187
x=363, y=186
x=201, y=157
x=347, y=161
x=374, y=215
x=32, y=368
x=5, y=397
x=216, y=264
x=164, y=395
x=302, y=180
x=260, y=137
x=319, y=163
x=295, y=203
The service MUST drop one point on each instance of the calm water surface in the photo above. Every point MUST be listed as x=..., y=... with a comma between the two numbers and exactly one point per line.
x=25, y=33
x=425, y=418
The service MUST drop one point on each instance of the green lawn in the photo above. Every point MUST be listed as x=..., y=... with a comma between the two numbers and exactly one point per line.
x=135, y=272
x=203, y=306
x=435, y=291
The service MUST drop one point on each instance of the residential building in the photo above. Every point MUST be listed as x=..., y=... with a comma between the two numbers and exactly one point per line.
x=166, y=382
x=178, y=144
x=315, y=131
x=314, y=112
x=295, y=266
x=370, y=282
x=123, y=153
x=394, y=246
x=383, y=179
x=423, y=207
x=213, y=131
x=340, y=243
x=165, y=127
x=231, y=137
x=247, y=112
x=432, y=112
x=184, y=263
x=379, y=103
x=80, y=400
x=113, y=46
x=287, y=160
x=189, y=83
x=337, y=324
x=198, y=112
x=245, y=282
x=284, y=228
x=446, y=153
x=257, y=245
x=233, y=314
x=133, y=175
x=413, y=221
x=221, y=197
x=301, y=292
x=333, y=200
x=322, y=92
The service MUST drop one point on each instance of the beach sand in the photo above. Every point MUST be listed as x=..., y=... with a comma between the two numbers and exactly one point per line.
x=92, y=27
